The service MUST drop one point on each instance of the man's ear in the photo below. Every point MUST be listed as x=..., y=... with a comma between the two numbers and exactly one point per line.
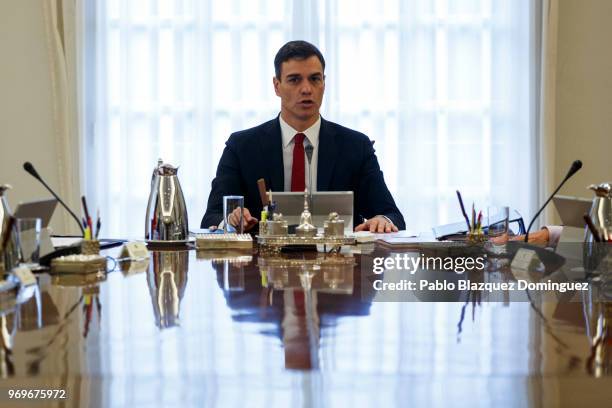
x=276, y=83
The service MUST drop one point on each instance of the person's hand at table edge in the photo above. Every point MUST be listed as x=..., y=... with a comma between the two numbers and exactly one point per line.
x=248, y=219
x=379, y=224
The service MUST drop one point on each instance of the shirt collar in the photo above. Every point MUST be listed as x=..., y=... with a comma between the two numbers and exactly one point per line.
x=288, y=133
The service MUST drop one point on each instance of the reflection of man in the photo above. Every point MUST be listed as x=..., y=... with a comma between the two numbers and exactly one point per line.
x=293, y=313
x=342, y=159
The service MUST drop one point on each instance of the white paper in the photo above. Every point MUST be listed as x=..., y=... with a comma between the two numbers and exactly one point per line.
x=59, y=242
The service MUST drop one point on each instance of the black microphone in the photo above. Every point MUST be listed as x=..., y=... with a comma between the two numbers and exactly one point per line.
x=576, y=165
x=309, y=149
x=27, y=166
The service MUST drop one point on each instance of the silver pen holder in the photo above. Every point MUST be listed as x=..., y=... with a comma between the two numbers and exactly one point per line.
x=275, y=228
x=334, y=228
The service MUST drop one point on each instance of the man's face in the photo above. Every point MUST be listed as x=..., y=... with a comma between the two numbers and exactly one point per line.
x=301, y=87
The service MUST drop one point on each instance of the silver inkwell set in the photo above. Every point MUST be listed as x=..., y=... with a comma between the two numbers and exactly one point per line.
x=274, y=229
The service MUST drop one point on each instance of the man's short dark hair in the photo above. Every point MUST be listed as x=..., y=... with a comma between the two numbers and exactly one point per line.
x=299, y=50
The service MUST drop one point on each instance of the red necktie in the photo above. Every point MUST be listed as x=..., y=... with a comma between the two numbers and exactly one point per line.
x=297, y=169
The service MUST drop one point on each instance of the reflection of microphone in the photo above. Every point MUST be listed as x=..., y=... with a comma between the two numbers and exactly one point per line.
x=27, y=166
x=309, y=149
x=576, y=165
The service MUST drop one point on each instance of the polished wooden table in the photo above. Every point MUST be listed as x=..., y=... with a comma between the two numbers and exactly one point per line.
x=225, y=328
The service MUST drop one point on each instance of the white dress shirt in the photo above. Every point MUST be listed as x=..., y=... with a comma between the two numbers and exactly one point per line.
x=312, y=138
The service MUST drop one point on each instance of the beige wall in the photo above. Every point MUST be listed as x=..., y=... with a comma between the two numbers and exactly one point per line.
x=584, y=93
x=26, y=116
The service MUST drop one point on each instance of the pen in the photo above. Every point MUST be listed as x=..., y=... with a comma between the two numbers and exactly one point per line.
x=87, y=217
x=85, y=228
x=473, y=217
x=463, y=209
x=84, y=202
x=98, y=224
x=271, y=206
x=261, y=185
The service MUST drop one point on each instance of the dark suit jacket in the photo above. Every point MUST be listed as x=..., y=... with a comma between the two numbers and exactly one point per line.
x=346, y=162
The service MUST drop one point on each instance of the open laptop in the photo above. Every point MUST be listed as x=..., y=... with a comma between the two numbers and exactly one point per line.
x=42, y=209
x=291, y=205
x=572, y=209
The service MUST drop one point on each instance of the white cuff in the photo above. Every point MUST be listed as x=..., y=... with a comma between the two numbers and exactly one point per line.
x=554, y=234
x=386, y=218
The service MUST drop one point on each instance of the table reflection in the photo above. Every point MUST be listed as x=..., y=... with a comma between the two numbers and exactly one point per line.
x=214, y=323
x=292, y=291
x=22, y=315
x=167, y=279
x=598, y=320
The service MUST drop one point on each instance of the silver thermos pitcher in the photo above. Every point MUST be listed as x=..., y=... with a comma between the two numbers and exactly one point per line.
x=601, y=211
x=9, y=255
x=166, y=211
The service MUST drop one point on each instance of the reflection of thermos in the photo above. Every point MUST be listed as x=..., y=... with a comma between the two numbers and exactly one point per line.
x=7, y=334
x=599, y=362
x=167, y=278
x=597, y=306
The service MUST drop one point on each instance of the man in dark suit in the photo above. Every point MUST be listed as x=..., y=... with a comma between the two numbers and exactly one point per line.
x=342, y=159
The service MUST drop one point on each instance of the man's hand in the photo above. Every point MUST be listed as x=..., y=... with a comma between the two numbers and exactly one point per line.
x=248, y=220
x=378, y=224
x=234, y=219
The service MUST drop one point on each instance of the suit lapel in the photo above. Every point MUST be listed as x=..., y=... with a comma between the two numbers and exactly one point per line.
x=328, y=152
x=272, y=155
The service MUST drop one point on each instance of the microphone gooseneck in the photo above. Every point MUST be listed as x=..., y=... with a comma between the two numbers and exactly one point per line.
x=576, y=165
x=27, y=166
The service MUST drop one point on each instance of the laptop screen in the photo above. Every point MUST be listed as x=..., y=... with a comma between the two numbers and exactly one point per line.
x=291, y=205
x=42, y=209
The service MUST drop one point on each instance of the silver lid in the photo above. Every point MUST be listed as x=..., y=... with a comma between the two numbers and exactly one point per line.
x=167, y=169
x=601, y=190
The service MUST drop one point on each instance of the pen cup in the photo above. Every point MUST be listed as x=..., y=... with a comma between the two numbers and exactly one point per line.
x=90, y=247
x=476, y=237
x=497, y=220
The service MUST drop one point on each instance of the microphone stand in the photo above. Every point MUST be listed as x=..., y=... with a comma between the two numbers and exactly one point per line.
x=576, y=165
x=27, y=166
